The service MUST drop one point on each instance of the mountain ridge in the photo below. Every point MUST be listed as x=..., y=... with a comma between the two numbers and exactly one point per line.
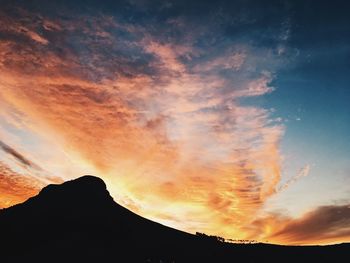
x=79, y=220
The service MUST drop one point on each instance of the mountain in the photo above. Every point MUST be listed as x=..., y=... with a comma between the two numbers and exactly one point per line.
x=78, y=221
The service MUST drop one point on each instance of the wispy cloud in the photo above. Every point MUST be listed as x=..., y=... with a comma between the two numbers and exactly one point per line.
x=156, y=109
x=302, y=173
x=18, y=156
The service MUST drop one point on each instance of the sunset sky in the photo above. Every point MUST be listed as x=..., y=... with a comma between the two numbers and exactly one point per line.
x=225, y=117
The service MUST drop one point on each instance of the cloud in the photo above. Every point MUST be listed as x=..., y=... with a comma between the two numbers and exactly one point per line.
x=231, y=61
x=323, y=225
x=16, y=188
x=156, y=115
x=302, y=173
x=154, y=104
x=19, y=157
x=11, y=26
x=22, y=181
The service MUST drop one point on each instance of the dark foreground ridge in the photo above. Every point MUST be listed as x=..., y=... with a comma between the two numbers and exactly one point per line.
x=78, y=221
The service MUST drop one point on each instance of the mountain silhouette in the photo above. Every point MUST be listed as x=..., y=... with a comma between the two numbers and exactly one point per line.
x=78, y=221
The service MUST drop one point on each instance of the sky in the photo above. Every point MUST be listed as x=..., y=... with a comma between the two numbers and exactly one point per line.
x=224, y=117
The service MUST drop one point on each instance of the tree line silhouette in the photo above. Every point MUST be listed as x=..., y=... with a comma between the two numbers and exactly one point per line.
x=228, y=240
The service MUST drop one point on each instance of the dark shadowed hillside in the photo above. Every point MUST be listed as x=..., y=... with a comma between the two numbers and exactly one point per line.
x=78, y=221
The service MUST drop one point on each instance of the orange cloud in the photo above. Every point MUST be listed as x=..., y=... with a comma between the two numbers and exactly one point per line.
x=24, y=180
x=16, y=188
x=326, y=224
x=323, y=225
x=171, y=139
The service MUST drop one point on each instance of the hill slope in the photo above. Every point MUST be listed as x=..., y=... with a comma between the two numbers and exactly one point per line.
x=78, y=221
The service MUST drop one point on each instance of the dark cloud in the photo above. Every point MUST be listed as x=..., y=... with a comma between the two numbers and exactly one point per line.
x=18, y=156
x=326, y=223
x=321, y=225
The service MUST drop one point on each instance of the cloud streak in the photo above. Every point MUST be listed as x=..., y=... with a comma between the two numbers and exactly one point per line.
x=325, y=224
x=18, y=156
x=322, y=225
x=302, y=173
